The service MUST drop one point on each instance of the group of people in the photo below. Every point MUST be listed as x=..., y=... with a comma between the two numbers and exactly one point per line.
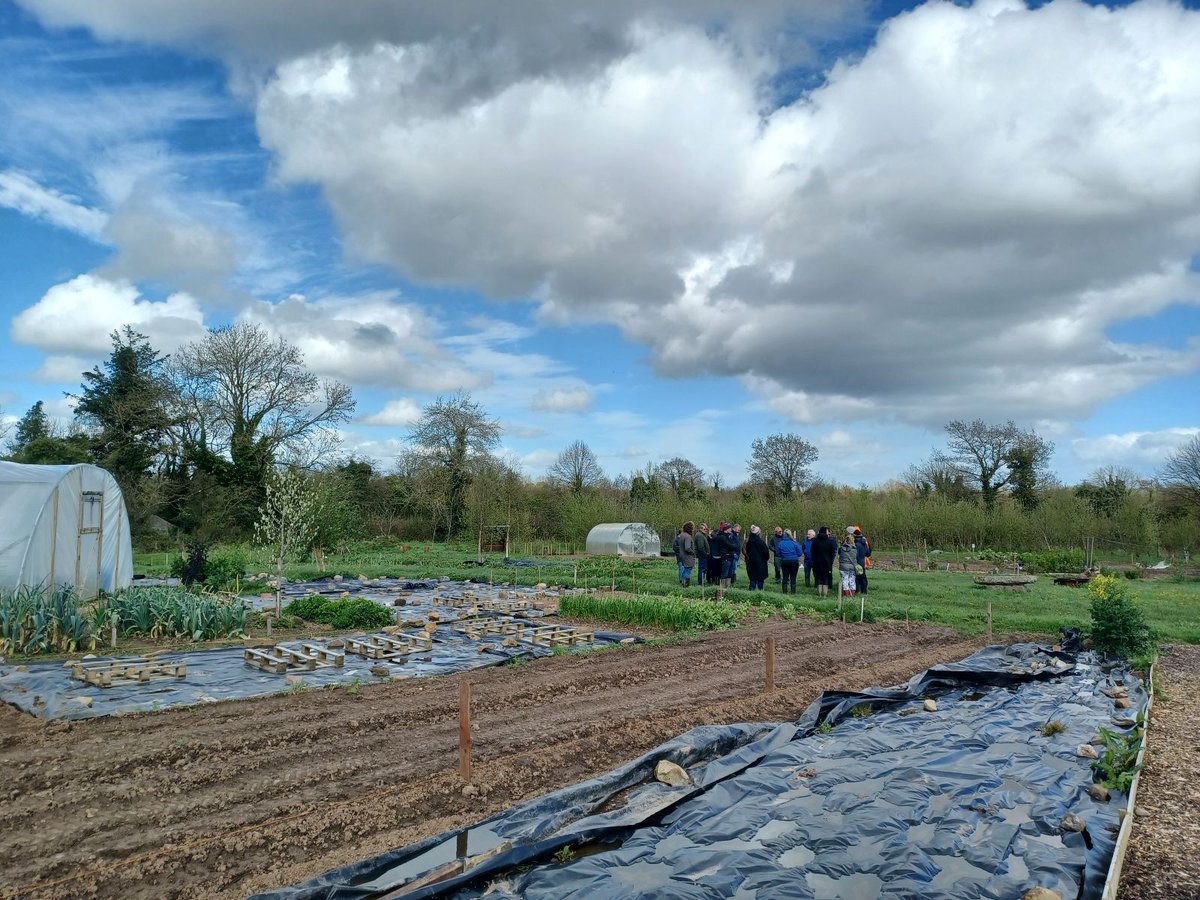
x=714, y=557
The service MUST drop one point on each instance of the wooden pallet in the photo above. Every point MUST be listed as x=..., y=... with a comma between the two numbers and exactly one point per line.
x=388, y=646
x=556, y=635
x=117, y=673
x=282, y=660
x=491, y=604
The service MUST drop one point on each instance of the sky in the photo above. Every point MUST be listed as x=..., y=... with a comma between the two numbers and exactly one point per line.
x=663, y=227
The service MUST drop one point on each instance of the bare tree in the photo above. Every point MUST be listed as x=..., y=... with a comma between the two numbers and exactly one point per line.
x=1107, y=489
x=1181, y=476
x=992, y=457
x=243, y=393
x=450, y=433
x=576, y=468
x=681, y=475
x=781, y=462
x=937, y=475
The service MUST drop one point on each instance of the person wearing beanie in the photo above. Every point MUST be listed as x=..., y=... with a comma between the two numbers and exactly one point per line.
x=687, y=553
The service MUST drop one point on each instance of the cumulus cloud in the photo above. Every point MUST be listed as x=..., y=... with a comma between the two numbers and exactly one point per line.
x=22, y=193
x=157, y=245
x=78, y=316
x=402, y=412
x=1142, y=450
x=577, y=399
x=947, y=223
x=960, y=213
x=366, y=340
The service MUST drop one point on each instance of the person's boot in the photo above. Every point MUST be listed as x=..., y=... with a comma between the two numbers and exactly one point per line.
x=687, y=582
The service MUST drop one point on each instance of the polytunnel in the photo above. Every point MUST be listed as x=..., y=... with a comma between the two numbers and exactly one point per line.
x=63, y=525
x=623, y=539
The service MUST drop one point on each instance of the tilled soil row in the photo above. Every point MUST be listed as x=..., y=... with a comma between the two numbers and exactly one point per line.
x=230, y=798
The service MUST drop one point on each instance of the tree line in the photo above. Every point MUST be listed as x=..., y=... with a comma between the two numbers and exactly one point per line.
x=194, y=438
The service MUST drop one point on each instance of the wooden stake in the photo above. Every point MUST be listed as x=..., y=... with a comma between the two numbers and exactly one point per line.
x=989, y=620
x=464, y=730
x=770, y=665
x=112, y=618
x=268, y=623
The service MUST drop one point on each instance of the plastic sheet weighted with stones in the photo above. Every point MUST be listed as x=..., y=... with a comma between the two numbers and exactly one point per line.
x=965, y=801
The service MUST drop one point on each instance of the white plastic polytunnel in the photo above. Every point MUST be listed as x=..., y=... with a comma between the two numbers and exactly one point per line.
x=63, y=525
x=623, y=539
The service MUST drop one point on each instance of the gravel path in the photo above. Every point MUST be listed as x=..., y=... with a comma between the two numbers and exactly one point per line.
x=1164, y=854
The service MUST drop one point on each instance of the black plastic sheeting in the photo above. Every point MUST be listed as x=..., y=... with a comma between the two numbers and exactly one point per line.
x=48, y=691
x=963, y=802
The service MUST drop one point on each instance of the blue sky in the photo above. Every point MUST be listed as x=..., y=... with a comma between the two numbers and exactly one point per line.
x=664, y=228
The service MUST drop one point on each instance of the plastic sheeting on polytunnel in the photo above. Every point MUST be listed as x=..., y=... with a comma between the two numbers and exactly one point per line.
x=623, y=539
x=971, y=800
x=63, y=525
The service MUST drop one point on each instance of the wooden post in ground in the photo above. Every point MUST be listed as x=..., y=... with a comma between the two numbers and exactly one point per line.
x=112, y=619
x=269, y=620
x=989, y=621
x=464, y=730
x=770, y=679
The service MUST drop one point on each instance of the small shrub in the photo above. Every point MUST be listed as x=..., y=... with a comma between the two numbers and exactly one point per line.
x=1053, y=727
x=195, y=565
x=1053, y=561
x=351, y=613
x=823, y=728
x=1117, y=623
x=862, y=711
x=1133, y=574
x=225, y=569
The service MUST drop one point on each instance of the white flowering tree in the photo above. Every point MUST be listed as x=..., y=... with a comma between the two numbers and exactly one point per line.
x=287, y=520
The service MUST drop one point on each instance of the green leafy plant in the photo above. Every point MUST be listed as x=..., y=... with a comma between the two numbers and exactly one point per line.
x=349, y=613
x=163, y=611
x=862, y=711
x=823, y=728
x=33, y=621
x=564, y=854
x=1053, y=561
x=1053, y=727
x=1117, y=623
x=1118, y=764
x=655, y=612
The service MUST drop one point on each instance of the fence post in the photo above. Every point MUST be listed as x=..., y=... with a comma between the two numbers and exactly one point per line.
x=770, y=663
x=464, y=730
x=989, y=621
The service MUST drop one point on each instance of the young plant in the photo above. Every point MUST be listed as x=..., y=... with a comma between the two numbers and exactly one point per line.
x=286, y=520
x=1053, y=727
x=1118, y=764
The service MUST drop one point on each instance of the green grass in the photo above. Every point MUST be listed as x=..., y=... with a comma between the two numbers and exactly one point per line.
x=1171, y=606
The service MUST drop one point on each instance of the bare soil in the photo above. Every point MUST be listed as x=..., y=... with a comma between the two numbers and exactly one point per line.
x=1163, y=861
x=226, y=799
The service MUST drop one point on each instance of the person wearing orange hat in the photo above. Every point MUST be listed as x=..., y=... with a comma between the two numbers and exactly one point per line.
x=863, y=549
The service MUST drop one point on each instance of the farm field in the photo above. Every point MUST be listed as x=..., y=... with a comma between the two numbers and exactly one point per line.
x=1171, y=603
x=226, y=799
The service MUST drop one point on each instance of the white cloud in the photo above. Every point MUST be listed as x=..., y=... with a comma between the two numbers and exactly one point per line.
x=1141, y=450
x=402, y=412
x=22, y=193
x=371, y=339
x=960, y=213
x=77, y=317
x=513, y=429
x=60, y=369
x=563, y=400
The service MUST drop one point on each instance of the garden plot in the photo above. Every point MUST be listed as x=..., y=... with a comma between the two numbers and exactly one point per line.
x=445, y=628
x=949, y=787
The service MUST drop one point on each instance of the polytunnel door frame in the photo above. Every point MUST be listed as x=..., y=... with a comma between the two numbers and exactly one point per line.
x=89, y=542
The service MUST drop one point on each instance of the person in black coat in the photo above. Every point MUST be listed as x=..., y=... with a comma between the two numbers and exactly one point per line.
x=824, y=550
x=758, y=558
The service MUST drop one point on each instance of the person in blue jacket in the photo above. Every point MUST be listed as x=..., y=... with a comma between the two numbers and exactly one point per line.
x=807, y=554
x=787, y=551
